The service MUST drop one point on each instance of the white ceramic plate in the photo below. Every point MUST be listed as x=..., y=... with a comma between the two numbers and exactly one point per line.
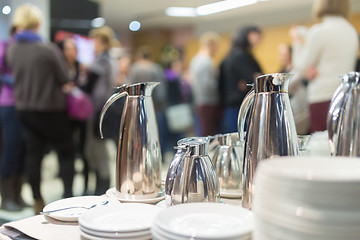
x=162, y=204
x=113, y=193
x=206, y=220
x=115, y=234
x=163, y=235
x=72, y=215
x=314, y=169
x=230, y=194
x=122, y=218
x=92, y=237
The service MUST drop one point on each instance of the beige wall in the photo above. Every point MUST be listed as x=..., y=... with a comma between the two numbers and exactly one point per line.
x=267, y=51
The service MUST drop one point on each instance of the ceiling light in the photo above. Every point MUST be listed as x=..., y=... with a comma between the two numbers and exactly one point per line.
x=181, y=12
x=6, y=10
x=97, y=22
x=222, y=6
x=134, y=26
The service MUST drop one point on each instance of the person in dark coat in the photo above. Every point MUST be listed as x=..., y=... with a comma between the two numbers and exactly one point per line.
x=237, y=70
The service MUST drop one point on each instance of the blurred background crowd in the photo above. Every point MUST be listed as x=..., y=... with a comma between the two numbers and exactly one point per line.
x=202, y=87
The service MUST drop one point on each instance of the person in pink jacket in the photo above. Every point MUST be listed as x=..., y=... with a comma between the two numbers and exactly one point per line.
x=12, y=155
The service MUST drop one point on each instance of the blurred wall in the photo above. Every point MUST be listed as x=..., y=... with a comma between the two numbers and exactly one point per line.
x=267, y=51
x=4, y=25
x=72, y=15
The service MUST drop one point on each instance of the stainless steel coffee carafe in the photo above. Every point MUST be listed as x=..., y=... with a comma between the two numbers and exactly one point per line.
x=228, y=165
x=138, y=165
x=266, y=127
x=191, y=176
x=213, y=145
x=344, y=117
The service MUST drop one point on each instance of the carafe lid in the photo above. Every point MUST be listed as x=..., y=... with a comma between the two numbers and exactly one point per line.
x=275, y=82
x=229, y=139
x=137, y=89
x=352, y=77
x=196, y=145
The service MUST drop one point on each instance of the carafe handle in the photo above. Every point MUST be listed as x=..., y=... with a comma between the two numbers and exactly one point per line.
x=335, y=114
x=110, y=101
x=243, y=113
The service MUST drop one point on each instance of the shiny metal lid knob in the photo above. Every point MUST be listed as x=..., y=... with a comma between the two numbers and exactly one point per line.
x=196, y=145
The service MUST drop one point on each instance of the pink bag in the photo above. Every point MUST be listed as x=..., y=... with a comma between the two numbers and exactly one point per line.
x=79, y=106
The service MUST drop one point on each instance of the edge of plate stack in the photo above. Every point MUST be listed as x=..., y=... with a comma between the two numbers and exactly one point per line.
x=307, y=198
x=200, y=221
x=123, y=221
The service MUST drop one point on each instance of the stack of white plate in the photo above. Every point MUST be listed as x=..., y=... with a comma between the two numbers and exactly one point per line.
x=124, y=221
x=307, y=198
x=200, y=221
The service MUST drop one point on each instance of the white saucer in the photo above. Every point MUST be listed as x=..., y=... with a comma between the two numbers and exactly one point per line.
x=206, y=221
x=126, y=218
x=162, y=204
x=114, y=234
x=92, y=237
x=113, y=193
x=72, y=215
x=230, y=194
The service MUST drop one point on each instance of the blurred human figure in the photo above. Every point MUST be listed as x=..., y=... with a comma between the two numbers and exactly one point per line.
x=144, y=69
x=77, y=74
x=328, y=50
x=12, y=155
x=204, y=86
x=298, y=96
x=111, y=126
x=285, y=57
x=40, y=81
x=238, y=69
x=177, y=104
x=123, y=67
x=100, y=87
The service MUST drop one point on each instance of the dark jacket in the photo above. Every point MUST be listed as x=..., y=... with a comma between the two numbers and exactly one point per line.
x=237, y=66
x=39, y=74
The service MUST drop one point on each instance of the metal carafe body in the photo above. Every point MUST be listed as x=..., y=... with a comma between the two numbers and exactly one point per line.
x=228, y=165
x=344, y=118
x=270, y=130
x=138, y=165
x=191, y=176
x=213, y=145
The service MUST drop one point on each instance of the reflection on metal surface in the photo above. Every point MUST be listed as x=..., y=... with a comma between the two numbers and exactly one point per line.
x=227, y=162
x=191, y=176
x=266, y=127
x=138, y=167
x=344, y=117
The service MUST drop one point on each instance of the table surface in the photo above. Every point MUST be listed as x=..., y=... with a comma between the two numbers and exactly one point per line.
x=43, y=227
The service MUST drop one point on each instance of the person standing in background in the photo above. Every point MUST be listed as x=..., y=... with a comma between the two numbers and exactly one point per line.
x=237, y=70
x=12, y=156
x=41, y=81
x=298, y=96
x=144, y=69
x=328, y=50
x=123, y=68
x=204, y=86
x=285, y=57
x=77, y=73
x=173, y=71
x=100, y=87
